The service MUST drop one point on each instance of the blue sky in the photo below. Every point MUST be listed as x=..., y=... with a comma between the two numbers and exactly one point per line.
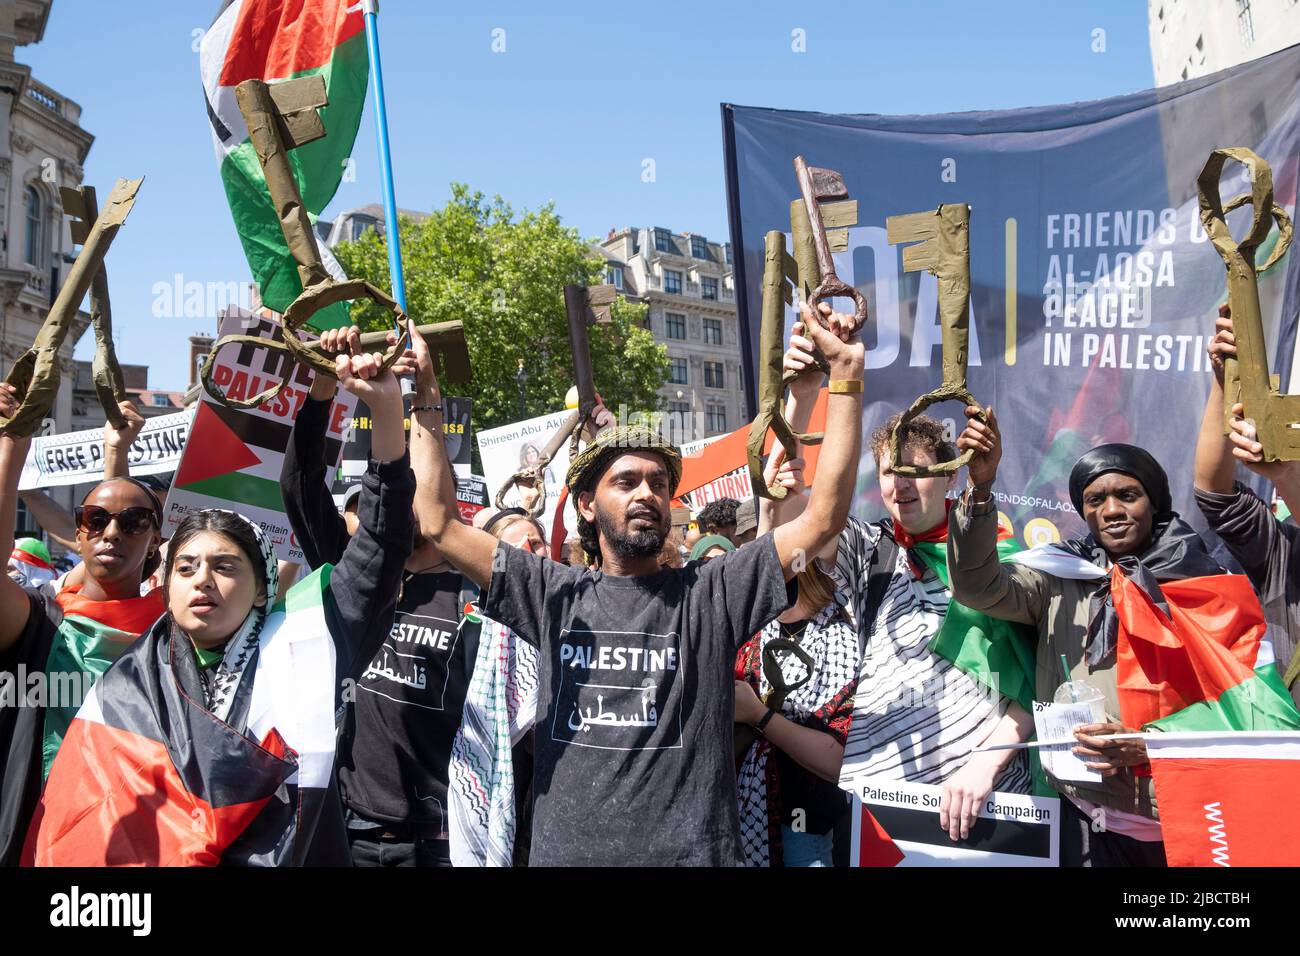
x=568, y=112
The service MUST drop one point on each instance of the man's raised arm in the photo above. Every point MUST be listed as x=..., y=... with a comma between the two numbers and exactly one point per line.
x=469, y=549
x=798, y=542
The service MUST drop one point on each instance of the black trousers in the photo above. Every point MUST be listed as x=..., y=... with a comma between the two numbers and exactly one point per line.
x=368, y=849
x=1081, y=845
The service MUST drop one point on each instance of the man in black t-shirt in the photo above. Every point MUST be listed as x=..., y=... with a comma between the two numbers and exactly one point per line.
x=633, y=747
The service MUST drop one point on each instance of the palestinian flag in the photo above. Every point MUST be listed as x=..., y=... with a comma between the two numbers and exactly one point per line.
x=1199, y=660
x=91, y=637
x=148, y=776
x=280, y=40
x=998, y=654
x=1225, y=797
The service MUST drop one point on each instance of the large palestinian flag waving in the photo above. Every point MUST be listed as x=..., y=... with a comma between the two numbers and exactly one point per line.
x=279, y=40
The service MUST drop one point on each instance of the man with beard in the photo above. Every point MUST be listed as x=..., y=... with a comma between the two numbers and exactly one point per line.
x=633, y=751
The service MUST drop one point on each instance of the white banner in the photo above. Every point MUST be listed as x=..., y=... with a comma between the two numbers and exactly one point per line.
x=74, y=458
x=897, y=824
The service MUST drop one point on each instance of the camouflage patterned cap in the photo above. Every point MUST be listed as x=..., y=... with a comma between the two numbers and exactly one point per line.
x=588, y=464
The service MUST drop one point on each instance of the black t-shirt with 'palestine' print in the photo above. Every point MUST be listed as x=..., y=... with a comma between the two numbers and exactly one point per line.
x=633, y=750
x=393, y=764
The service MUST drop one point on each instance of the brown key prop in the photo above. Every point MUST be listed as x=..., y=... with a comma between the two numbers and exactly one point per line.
x=36, y=373
x=818, y=185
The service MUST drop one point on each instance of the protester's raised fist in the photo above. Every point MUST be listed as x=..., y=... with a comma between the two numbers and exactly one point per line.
x=601, y=418
x=1224, y=344
x=783, y=473
x=418, y=361
x=1247, y=449
x=346, y=339
x=986, y=443
x=365, y=377
x=839, y=342
x=798, y=359
x=125, y=436
x=840, y=324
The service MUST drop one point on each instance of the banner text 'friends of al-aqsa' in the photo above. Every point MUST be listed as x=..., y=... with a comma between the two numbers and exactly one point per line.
x=1093, y=287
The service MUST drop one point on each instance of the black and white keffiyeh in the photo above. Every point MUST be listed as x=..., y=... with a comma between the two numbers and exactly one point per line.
x=219, y=691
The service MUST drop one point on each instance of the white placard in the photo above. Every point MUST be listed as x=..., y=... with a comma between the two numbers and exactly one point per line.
x=1013, y=829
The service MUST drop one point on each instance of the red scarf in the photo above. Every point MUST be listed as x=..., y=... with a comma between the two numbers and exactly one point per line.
x=936, y=535
x=129, y=615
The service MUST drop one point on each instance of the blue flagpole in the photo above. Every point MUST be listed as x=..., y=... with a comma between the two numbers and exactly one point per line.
x=371, y=10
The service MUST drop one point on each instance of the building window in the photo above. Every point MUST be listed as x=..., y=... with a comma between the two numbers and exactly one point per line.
x=663, y=241
x=727, y=247
x=1244, y=23
x=675, y=325
x=614, y=275
x=708, y=287
x=161, y=400
x=712, y=331
x=716, y=418
x=24, y=522
x=699, y=248
x=713, y=375
x=673, y=281
x=34, y=237
x=677, y=371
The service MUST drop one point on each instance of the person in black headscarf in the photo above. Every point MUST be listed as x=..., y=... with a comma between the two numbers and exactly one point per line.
x=1122, y=494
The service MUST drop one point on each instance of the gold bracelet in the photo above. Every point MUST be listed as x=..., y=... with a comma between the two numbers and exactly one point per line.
x=845, y=386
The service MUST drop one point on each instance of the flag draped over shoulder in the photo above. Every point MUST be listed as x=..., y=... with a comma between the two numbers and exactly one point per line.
x=148, y=776
x=997, y=654
x=91, y=636
x=277, y=40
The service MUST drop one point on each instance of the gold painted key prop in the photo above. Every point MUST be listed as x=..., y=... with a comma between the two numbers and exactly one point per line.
x=106, y=371
x=36, y=373
x=942, y=247
x=583, y=305
x=1246, y=379
x=778, y=267
x=281, y=117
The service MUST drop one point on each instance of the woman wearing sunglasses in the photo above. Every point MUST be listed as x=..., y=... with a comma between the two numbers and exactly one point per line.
x=53, y=649
x=212, y=740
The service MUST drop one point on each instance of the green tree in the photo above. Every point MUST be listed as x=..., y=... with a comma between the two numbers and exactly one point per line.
x=503, y=275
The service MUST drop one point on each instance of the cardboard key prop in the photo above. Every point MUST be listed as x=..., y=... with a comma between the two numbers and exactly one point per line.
x=1246, y=379
x=36, y=373
x=825, y=204
x=942, y=238
x=583, y=305
x=281, y=117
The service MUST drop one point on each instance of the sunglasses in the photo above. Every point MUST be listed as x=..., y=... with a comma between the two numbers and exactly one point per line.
x=93, y=519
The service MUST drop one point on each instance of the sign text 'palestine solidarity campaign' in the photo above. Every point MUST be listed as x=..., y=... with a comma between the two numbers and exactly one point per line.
x=1094, y=289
